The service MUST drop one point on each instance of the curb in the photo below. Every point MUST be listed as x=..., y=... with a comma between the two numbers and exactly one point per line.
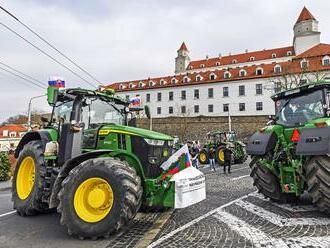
x=6, y=185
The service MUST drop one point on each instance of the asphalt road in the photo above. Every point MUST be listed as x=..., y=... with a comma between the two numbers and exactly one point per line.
x=233, y=215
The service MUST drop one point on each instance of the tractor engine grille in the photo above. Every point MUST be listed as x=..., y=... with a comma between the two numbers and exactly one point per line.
x=151, y=157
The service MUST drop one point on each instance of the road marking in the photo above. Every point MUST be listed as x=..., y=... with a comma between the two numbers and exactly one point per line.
x=9, y=213
x=238, y=178
x=289, y=207
x=256, y=236
x=149, y=236
x=167, y=236
x=277, y=219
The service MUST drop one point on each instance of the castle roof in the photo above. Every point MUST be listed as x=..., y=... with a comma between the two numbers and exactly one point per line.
x=305, y=15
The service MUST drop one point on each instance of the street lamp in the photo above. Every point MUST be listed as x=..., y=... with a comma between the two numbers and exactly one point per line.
x=29, y=109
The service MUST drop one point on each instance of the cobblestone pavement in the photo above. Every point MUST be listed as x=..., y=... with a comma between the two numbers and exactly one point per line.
x=233, y=215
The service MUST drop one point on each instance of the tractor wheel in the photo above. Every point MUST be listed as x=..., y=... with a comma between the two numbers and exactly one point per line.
x=220, y=155
x=203, y=157
x=268, y=184
x=318, y=178
x=98, y=197
x=29, y=180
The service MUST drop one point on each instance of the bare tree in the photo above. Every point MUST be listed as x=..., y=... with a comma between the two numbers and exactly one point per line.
x=182, y=121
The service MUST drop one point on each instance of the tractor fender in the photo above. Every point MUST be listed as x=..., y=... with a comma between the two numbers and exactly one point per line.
x=65, y=170
x=44, y=136
x=261, y=143
x=314, y=141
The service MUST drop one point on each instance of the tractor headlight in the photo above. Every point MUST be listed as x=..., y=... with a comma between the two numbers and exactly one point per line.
x=153, y=142
x=153, y=160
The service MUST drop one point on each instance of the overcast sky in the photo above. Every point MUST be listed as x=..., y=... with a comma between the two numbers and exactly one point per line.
x=125, y=40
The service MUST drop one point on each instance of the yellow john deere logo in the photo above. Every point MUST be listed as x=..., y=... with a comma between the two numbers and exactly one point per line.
x=165, y=153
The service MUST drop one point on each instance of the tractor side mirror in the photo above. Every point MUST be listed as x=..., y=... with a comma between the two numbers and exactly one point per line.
x=147, y=111
x=52, y=94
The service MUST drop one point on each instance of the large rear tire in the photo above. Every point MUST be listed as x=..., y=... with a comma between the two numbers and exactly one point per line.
x=318, y=181
x=268, y=184
x=203, y=157
x=98, y=197
x=220, y=155
x=29, y=180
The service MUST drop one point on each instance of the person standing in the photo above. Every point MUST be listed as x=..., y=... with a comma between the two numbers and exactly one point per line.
x=227, y=160
x=212, y=159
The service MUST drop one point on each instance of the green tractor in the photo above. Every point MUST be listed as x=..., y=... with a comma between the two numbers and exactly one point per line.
x=291, y=154
x=220, y=141
x=90, y=165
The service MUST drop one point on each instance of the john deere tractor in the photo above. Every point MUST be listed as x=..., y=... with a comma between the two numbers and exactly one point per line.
x=90, y=165
x=291, y=154
x=220, y=141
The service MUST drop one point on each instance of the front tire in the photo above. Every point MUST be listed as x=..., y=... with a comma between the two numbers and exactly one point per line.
x=220, y=155
x=29, y=180
x=318, y=181
x=98, y=197
x=203, y=157
x=268, y=184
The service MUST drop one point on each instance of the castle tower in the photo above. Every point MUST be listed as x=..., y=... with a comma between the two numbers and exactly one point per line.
x=182, y=60
x=306, y=33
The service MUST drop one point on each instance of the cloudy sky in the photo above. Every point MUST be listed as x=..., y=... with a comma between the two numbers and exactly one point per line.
x=124, y=40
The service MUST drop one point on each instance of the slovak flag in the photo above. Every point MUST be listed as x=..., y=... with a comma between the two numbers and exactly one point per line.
x=135, y=101
x=57, y=82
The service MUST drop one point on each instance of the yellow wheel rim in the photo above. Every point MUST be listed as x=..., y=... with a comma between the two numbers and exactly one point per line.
x=25, y=178
x=202, y=157
x=221, y=155
x=93, y=199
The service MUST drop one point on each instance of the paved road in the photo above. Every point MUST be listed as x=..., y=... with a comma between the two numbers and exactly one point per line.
x=232, y=216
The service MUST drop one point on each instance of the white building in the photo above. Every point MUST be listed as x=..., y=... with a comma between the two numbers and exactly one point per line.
x=10, y=135
x=239, y=84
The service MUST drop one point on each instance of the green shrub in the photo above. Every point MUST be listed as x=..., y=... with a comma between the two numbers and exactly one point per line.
x=4, y=166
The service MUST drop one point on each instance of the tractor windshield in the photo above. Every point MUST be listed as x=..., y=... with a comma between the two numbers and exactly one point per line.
x=297, y=110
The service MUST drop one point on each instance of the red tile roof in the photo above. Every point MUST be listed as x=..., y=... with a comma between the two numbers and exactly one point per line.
x=183, y=47
x=305, y=15
x=17, y=128
x=318, y=50
x=241, y=58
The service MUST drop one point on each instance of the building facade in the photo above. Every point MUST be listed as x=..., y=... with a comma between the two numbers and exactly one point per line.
x=235, y=85
x=10, y=135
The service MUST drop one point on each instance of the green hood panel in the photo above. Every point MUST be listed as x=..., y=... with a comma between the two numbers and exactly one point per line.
x=137, y=131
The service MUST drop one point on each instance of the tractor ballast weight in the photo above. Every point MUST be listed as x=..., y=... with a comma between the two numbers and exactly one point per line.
x=291, y=154
x=94, y=168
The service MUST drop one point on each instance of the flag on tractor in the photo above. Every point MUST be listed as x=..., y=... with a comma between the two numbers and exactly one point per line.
x=56, y=82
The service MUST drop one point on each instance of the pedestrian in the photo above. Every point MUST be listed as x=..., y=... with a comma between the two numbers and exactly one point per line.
x=227, y=162
x=212, y=159
x=194, y=158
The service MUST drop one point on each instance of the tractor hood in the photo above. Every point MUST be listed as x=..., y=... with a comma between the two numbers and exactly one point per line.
x=135, y=131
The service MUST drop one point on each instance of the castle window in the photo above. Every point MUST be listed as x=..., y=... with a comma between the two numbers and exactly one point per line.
x=170, y=110
x=151, y=83
x=217, y=63
x=148, y=97
x=191, y=67
x=288, y=53
x=141, y=84
x=198, y=78
x=258, y=89
x=186, y=79
x=304, y=64
x=159, y=96
x=121, y=86
x=252, y=58
x=274, y=55
x=326, y=61
x=183, y=109
x=234, y=61
x=226, y=74
x=130, y=86
x=202, y=66
x=242, y=73
x=173, y=80
x=259, y=71
x=212, y=76
x=277, y=69
x=159, y=110
x=241, y=106
x=161, y=82
x=259, y=106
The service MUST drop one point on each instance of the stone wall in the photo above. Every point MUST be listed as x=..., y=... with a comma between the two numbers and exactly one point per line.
x=196, y=128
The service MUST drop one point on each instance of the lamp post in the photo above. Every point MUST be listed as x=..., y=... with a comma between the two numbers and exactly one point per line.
x=29, y=110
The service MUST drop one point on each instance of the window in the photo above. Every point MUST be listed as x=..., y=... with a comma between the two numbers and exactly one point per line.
x=212, y=76
x=288, y=53
x=196, y=94
x=274, y=55
x=12, y=134
x=252, y=58
x=148, y=97
x=217, y=63
x=304, y=64
x=210, y=92
x=141, y=84
x=183, y=109
x=202, y=66
x=259, y=89
x=259, y=71
x=225, y=91
x=277, y=87
x=191, y=67
x=130, y=86
x=159, y=110
x=241, y=90
x=159, y=96
x=173, y=81
x=151, y=83
x=326, y=61
x=170, y=110
x=242, y=73
x=196, y=108
x=210, y=108
x=259, y=106
x=226, y=74
x=162, y=82
x=226, y=107
x=242, y=107
x=170, y=96
x=234, y=61
x=183, y=95
x=198, y=78
x=186, y=79
x=277, y=69
x=121, y=86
